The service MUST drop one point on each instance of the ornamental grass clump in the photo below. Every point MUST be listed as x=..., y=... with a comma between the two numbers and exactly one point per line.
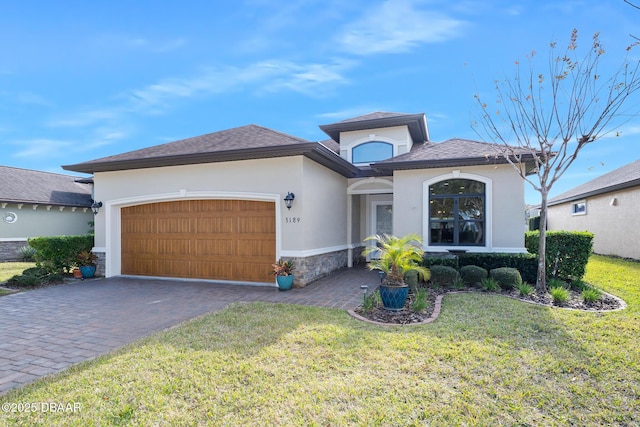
x=560, y=295
x=591, y=295
x=420, y=302
x=489, y=284
x=525, y=289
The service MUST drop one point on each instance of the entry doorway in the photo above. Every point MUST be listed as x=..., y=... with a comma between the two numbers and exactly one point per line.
x=381, y=217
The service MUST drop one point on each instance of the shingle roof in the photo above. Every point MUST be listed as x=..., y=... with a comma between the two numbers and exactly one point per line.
x=240, y=143
x=29, y=186
x=453, y=152
x=417, y=124
x=618, y=179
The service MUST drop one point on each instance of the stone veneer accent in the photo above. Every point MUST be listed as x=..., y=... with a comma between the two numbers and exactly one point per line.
x=100, y=263
x=9, y=250
x=310, y=269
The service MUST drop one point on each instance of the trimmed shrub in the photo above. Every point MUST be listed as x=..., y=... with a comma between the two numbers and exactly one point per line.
x=58, y=254
x=567, y=252
x=534, y=223
x=444, y=276
x=507, y=277
x=433, y=259
x=472, y=275
x=525, y=263
x=411, y=279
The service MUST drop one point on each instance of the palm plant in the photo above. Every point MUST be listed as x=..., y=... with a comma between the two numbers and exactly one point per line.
x=396, y=256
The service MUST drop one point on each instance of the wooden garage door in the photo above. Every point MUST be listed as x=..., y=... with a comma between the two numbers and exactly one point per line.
x=203, y=239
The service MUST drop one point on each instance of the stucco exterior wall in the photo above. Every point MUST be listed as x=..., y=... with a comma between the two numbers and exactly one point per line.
x=504, y=204
x=616, y=227
x=315, y=224
x=398, y=135
x=43, y=222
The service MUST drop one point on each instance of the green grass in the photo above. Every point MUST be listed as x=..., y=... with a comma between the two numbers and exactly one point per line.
x=10, y=269
x=487, y=361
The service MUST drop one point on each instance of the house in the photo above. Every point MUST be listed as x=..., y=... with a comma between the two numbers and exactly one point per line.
x=34, y=204
x=226, y=205
x=606, y=206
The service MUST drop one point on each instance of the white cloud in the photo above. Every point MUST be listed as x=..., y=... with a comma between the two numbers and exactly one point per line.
x=398, y=26
x=42, y=147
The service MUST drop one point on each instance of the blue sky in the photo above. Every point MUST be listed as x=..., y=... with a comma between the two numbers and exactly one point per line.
x=83, y=80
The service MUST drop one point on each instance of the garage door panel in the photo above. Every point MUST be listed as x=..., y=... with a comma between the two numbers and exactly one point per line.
x=215, y=247
x=214, y=269
x=174, y=225
x=208, y=239
x=255, y=224
x=173, y=268
x=141, y=246
x=174, y=246
x=215, y=225
x=139, y=225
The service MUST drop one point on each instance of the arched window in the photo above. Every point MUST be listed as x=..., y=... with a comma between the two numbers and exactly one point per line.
x=457, y=213
x=370, y=152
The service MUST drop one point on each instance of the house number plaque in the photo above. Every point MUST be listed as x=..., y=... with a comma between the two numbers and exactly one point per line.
x=292, y=219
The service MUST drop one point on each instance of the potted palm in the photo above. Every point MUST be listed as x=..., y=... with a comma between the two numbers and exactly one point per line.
x=395, y=256
x=87, y=263
x=283, y=270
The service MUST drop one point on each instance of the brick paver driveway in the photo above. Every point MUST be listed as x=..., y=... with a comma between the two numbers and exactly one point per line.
x=46, y=330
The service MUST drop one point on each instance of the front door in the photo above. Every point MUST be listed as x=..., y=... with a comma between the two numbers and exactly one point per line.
x=381, y=219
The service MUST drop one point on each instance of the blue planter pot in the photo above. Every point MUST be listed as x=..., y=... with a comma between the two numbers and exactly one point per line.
x=88, y=271
x=393, y=297
x=284, y=282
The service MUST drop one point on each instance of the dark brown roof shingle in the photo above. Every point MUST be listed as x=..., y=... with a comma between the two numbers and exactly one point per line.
x=29, y=186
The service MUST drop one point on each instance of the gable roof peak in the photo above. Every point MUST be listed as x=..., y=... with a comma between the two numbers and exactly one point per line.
x=416, y=123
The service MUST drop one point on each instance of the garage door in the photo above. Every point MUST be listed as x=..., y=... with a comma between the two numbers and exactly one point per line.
x=200, y=239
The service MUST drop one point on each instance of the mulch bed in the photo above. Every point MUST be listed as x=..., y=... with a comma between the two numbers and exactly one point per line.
x=407, y=316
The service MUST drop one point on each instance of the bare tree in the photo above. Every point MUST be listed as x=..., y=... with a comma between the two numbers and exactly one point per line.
x=551, y=116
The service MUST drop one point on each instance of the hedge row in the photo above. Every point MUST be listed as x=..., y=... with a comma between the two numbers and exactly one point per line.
x=59, y=253
x=567, y=252
x=526, y=264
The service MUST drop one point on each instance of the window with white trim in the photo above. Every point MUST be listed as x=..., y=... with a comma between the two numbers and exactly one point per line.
x=457, y=213
x=371, y=151
x=579, y=208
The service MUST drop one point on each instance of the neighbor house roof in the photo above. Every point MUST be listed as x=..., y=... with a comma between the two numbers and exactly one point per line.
x=453, y=152
x=417, y=124
x=42, y=188
x=240, y=143
x=625, y=177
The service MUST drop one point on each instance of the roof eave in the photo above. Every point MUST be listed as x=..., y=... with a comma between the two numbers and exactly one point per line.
x=597, y=192
x=415, y=122
x=312, y=150
x=437, y=163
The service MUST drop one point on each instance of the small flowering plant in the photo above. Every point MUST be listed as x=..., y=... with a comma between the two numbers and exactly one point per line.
x=85, y=258
x=283, y=268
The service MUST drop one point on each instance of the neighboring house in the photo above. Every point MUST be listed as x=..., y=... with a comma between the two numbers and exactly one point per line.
x=34, y=204
x=606, y=206
x=212, y=206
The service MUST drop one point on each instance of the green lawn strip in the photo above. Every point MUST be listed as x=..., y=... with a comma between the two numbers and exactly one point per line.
x=487, y=360
x=10, y=269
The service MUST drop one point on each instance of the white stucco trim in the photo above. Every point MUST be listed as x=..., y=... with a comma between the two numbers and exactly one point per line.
x=112, y=210
x=13, y=239
x=488, y=199
x=511, y=250
x=313, y=252
x=384, y=186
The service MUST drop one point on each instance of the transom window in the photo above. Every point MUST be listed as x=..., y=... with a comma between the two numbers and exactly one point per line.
x=370, y=152
x=457, y=213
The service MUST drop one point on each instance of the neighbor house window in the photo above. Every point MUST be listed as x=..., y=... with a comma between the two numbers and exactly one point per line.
x=579, y=208
x=457, y=213
x=370, y=152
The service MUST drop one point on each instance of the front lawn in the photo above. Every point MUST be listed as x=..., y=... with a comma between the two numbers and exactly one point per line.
x=487, y=360
x=10, y=269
